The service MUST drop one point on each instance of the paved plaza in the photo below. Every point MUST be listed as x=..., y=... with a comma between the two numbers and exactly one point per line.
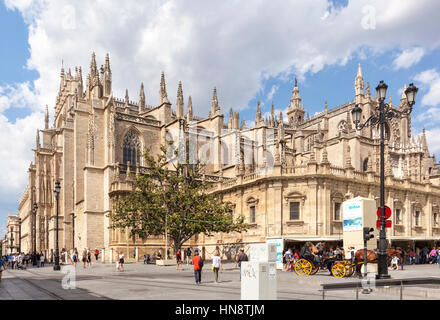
x=151, y=282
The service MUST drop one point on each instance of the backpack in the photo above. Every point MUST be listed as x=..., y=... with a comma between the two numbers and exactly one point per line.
x=200, y=263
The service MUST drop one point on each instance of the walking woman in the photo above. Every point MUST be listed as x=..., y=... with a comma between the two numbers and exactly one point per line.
x=216, y=264
x=121, y=262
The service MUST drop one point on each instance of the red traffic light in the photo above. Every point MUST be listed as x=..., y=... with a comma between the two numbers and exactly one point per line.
x=387, y=224
x=387, y=212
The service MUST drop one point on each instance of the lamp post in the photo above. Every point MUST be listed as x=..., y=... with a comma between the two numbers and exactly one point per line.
x=34, y=233
x=19, y=235
x=383, y=113
x=12, y=240
x=57, y=253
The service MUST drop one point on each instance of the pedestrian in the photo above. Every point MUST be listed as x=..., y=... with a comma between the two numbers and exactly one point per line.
x=189, y=255
x=121, y=262
x=84, y=258
x=42, y=260
x=438, y=256
x=295, y=256
x=433, y=256
x=394, y=263
x=168, y=254
x=2, y=261
x=242, y=257
x=412, y=257
x=286, y=259
x=216, y=264
x=75, y=257
x=197, y=261
x=89, y=258
x=96, y=254
x=178, y=260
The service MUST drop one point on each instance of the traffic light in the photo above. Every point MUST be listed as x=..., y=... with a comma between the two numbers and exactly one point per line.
x=367, y=235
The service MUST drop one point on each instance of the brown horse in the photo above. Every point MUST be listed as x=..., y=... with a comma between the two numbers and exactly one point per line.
x=372, y=257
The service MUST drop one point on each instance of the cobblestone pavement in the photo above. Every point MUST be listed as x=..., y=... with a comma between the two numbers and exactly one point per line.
x=139, y=281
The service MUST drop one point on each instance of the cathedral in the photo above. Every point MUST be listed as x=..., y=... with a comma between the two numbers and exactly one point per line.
x=288, y=175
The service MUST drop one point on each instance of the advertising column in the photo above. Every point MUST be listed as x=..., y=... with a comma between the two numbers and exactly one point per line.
x=359, y=213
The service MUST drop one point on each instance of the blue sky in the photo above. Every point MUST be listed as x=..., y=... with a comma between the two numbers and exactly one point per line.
x=249, y=51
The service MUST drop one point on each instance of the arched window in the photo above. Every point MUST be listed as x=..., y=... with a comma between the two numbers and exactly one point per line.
x=365, y=165
x=132, y=148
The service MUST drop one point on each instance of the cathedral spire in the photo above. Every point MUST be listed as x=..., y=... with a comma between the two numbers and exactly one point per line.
x=107, y=76
x=258, y=117
x=163, y=97
x=46, y=118
x=231, y=119
x=359, y=84
x=127, y=108
x=189, y=114
x=214, y=106
x=359, y=72
x=424, y=143
x=142, y=98
x=107, y=62
x=403, y=97
x=180, y=103
x=272, y=114
x=295, y=100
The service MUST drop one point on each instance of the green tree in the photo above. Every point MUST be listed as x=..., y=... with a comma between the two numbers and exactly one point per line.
x=174, y=202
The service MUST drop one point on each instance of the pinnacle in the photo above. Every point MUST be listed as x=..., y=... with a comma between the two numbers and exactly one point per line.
x=359, y=72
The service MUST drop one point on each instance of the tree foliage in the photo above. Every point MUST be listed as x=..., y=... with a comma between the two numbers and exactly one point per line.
x=173, y=200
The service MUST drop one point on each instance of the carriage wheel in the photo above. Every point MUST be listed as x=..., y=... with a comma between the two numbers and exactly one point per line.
x=303, y=266
x=315, y=270
x=349, y=270
x=338, y=270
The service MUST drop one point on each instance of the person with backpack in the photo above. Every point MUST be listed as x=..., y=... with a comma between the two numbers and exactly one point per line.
x=198, y=265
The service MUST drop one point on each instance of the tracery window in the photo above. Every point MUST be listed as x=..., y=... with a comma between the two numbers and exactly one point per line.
x=342, y=126
x=131, y=148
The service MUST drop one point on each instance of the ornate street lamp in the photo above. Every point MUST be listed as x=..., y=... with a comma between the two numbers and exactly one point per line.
x=383, y=113
x=57, y=252
x=34, y=231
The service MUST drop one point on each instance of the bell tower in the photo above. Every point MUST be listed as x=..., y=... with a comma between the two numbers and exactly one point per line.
x=295, y=112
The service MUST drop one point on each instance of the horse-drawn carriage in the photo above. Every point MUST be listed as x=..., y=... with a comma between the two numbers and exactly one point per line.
x=309, y=262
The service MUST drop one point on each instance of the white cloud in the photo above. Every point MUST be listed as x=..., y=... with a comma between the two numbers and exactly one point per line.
x=430, y=78
x=433, y=139
x=17, y=141
x=408, y=58
x=18, y=96
x=272, y=91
